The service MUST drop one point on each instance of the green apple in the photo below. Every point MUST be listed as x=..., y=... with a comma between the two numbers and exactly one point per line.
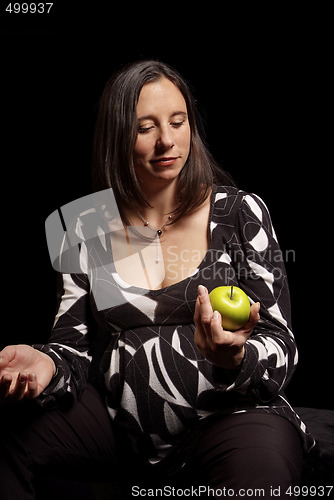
x=233, y=305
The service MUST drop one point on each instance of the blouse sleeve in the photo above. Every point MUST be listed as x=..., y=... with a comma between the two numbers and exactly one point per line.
x=73, y=332
x=69, y=342
x=270, y=352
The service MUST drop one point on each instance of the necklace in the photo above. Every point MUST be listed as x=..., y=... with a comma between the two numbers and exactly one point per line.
x=158, y=231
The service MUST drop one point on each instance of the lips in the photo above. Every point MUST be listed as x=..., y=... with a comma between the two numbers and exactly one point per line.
x=165, y=161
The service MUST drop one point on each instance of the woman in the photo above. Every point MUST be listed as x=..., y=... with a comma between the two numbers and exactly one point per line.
x=183, y=390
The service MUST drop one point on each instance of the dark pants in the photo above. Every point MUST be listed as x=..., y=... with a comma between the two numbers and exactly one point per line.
x=240, y=452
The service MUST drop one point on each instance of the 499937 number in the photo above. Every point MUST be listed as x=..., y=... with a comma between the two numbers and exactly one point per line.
x=29, y=8
x=309, y=491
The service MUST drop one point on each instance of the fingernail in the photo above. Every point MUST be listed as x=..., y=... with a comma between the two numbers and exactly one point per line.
x=215, y=315
x=201, y=290
x=31, y=377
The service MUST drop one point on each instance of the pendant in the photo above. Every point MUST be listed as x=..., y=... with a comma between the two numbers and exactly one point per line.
x=159, y=232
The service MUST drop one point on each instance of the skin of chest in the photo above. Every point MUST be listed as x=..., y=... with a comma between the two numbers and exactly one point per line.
x=156, y=263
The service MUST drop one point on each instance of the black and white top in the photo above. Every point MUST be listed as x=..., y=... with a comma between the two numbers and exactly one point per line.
x=157, y=384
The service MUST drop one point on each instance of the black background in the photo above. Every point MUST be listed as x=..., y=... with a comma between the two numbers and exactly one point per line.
x=261, y=80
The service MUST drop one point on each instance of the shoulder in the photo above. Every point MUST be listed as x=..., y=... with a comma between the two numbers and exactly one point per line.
x=229, y=201
x=236, y=210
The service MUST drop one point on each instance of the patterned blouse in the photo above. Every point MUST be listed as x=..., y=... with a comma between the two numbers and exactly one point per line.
x=157, y=385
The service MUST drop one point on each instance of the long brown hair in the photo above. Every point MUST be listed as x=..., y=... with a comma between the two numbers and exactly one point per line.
x=116, y=133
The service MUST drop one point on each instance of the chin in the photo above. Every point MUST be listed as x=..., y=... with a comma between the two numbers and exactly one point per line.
x=159, y=176
x=170, y=177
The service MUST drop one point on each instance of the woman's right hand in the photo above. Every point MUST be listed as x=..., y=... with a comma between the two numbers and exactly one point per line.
x=24, y=372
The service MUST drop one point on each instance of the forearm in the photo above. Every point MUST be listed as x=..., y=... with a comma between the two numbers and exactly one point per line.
x=266, y=368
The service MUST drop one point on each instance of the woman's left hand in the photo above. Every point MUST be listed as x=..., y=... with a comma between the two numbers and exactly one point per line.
x=223, y=348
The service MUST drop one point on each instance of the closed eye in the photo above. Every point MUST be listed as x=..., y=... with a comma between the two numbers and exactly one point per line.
x=177, y=124
x=143, y=130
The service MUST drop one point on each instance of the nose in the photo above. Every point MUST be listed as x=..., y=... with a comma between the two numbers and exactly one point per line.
x=165, y=140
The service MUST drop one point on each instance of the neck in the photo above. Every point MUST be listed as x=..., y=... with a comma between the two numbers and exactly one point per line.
x=162, y=199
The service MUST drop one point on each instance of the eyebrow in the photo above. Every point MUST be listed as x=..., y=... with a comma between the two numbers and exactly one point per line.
x=151, y=117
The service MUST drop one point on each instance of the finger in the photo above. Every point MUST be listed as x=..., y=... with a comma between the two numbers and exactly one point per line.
x=217, y=333
x=199, y=334
x=197, y=315
x=205, y=307
x=20, y=386
x=221, y=337
x=254, y=317
x=243, y=334
x=5, y=384
x=237, y=337
x=32, y=389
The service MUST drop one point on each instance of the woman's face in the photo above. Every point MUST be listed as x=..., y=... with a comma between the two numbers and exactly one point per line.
x=163, y=141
